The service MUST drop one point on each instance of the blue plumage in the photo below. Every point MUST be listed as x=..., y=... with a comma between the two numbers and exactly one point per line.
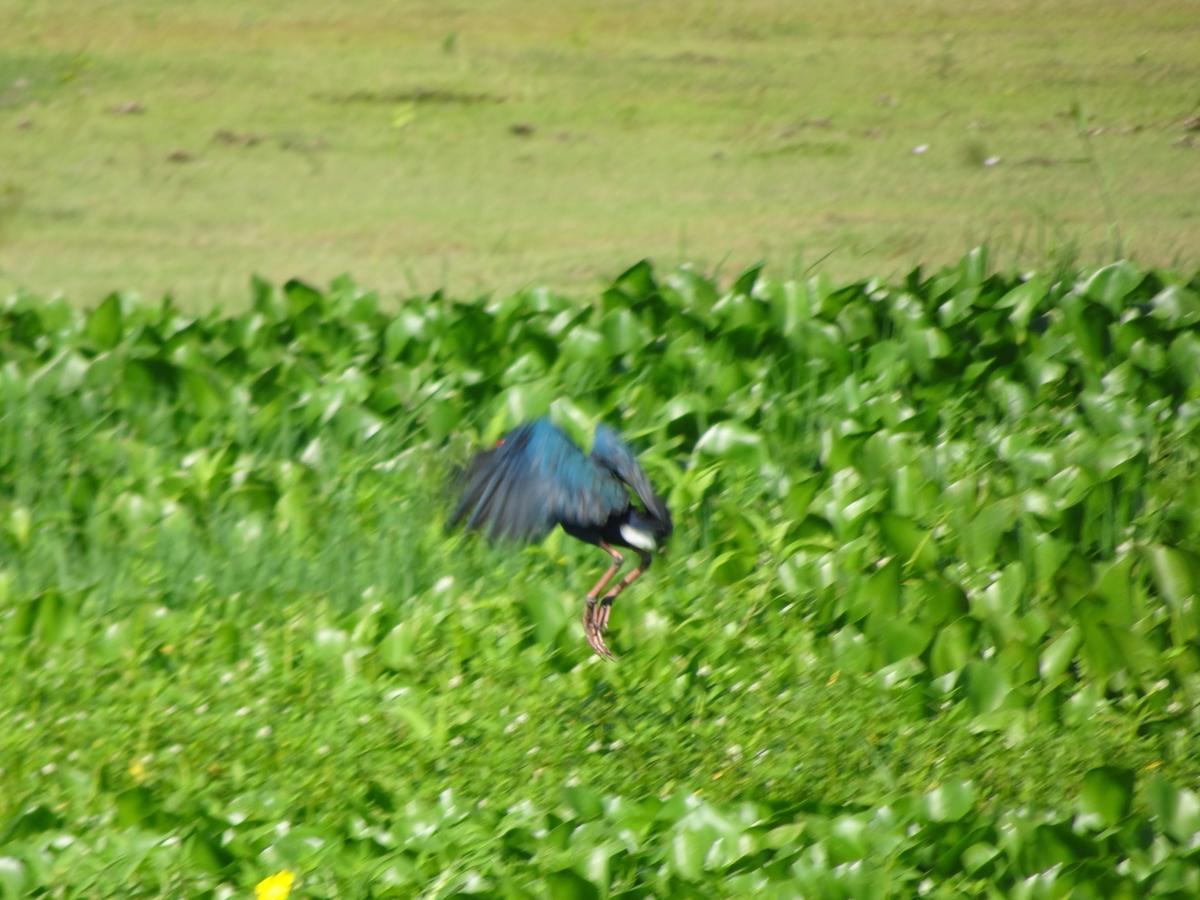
x=536, y=478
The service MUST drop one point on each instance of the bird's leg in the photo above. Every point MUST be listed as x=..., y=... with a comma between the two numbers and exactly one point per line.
x=605, y=609
x=607, y=576
x=590, y=629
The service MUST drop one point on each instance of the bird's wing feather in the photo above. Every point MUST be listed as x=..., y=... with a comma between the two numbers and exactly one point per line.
x=535, y=479
x=609, y=451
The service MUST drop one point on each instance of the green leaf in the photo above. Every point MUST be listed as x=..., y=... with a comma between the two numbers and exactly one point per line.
x=1177, y=809
x=301, y=298
x=397, y=649
x=1023, y=300
x=1173, y=574
x=14, y=877
x=1102, y=648
x=1058, y=654
x=1107, y=796
x=638, y=280
x=204, y=393
x=569, y=885
x=914, y=545
x=950, y=802
x=987, y=687
x=687, y=851
x=731, y=441
x=584, y=802
x=105, y=324
x=983, y=535
x=952, y=648
x=1112, y=284
x=1176, y=307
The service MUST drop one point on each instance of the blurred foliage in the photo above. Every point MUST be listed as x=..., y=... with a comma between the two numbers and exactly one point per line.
x=969, y=492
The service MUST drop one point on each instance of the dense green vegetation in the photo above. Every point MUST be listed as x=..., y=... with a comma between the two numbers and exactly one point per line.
x=929, y=623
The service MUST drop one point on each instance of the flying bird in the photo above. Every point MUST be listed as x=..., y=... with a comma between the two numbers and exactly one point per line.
x=535, y=478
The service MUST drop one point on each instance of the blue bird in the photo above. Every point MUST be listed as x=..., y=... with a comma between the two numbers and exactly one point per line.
x=535, y=478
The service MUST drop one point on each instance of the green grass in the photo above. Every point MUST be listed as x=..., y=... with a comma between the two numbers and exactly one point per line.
x=295, y=139
x=929, y=617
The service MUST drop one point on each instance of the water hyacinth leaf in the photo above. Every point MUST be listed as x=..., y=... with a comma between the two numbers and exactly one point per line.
x=622, y=332
x=105, y=324
x=1108, y=458
x=926, y=346
x=1057, y=655
x=941, y=600
x=584, y=802
x=696, y=293
x=1110, y=285
x=1102, y=648
x=1043, y=371
x=687, y=851
x=982, y=536
x=135, y=807
x=1023, y=301
x=1004, y=595
x=1174, y=574
x=407, y=329
x=1184, y=356
x=1049, y=553
x=987, y=686
x=914, y=545
x=525, y=401
x=638, y=281
x=14, y=877
x=1176, y=307
x=1176, y=809
x=397, y=650
x=949, y=802
x=732, y=441
x=977, y=856
x=953, y=648
x=732, y=566
x=878, y=596
x=973, y=267
x=851, y=651
x=302, y=298
x=578, y=425
x=208, y=398
x=900, y=675
x=1149, y=356
x=1106, y=796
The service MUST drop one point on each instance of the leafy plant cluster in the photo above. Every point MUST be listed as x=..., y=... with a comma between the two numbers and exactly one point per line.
x=968, y=494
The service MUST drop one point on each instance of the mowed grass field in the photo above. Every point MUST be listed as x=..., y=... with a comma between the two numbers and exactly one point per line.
x=488, y=145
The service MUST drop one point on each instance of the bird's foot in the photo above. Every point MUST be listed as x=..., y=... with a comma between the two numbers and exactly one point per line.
x=595, y=623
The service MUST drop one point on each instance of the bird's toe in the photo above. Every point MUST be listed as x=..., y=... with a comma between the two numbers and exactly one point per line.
x=595, y=621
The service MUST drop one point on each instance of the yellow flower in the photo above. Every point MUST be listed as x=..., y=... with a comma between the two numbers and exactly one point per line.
x=277, y=887
x=137, y=771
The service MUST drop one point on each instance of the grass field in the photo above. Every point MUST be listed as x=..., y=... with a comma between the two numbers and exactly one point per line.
x=158, y=146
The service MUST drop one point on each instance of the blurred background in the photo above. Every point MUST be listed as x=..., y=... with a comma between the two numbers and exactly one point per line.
x=483, y=146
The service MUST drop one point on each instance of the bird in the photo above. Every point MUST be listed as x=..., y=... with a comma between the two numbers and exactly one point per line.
x=535, y=478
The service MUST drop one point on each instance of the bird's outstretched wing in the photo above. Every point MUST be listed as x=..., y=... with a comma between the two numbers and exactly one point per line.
x=534, y=479
x=612, y=453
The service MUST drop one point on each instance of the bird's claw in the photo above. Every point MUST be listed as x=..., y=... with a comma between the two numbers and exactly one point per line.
x=595, y=623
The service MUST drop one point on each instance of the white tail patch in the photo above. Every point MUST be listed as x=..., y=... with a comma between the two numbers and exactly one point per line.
x=637, y=538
